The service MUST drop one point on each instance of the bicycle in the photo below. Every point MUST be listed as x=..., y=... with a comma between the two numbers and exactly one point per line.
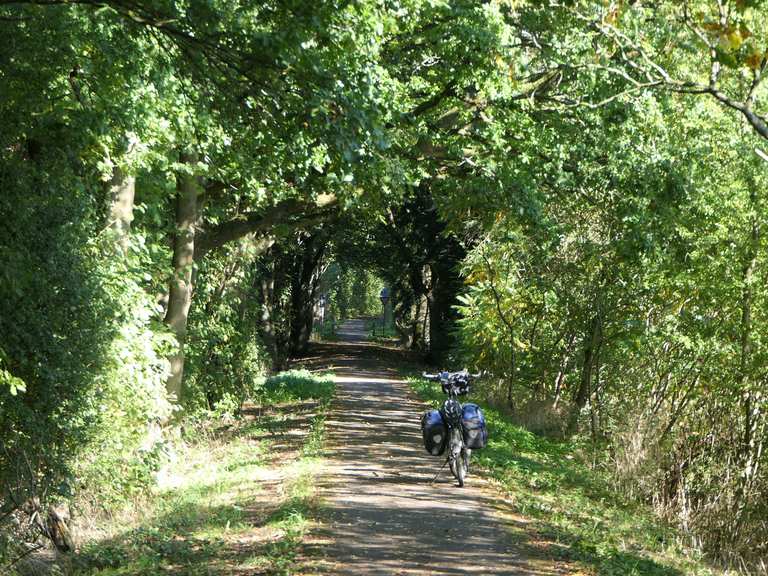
x=452, y=414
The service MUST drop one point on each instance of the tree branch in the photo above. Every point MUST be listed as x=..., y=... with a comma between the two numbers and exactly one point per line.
x=291, y=213
x=659, y=77
x=447, y=91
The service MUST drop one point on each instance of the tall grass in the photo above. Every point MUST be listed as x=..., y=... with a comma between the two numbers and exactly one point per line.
x=574, y=506
x=211, y=499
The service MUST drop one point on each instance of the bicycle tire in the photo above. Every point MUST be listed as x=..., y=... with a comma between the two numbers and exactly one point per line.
x=456, y=463
x=462, y=468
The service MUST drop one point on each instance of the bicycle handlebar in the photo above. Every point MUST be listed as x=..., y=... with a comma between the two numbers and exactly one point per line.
x=448, y=375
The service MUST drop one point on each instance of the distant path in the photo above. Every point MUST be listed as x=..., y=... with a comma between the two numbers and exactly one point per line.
x=385, y=517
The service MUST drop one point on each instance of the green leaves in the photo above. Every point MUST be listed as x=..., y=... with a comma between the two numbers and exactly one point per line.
x=14, y=384
x=531, y=137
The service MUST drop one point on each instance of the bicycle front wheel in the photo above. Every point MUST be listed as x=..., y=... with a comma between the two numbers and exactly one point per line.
x=457, y=457
x=462, y=465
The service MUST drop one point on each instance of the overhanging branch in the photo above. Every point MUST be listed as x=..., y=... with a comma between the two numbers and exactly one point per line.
x=657, y=77
x=290, y=213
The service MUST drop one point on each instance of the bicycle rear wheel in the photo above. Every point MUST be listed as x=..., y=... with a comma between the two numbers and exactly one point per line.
x=458, y=458
x=462, y=465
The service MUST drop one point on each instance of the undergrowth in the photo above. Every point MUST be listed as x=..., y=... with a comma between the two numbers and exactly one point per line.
x=574, y=507
x=377, y=332
x=294, y=385
x=326, y=331
x=213, y=510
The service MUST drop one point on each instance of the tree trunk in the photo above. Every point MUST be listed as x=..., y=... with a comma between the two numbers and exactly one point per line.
x=304, y=287
x=747, y=279
x=594, y=402
x=444, y=287
x=751, y=444
x=512, y=380
x=421, y=328
x=592, y=340
x=180, y=293
x=122, y=189
x=564, y=366
x=269, y=331
x=419, y=322
x=420, y=278
x=275, y=321
x=408, y=293
x=403, y=312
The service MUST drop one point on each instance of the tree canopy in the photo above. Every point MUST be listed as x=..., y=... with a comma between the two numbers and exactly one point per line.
x=567, y=195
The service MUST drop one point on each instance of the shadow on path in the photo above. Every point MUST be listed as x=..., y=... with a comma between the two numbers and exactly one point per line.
x=385, y=518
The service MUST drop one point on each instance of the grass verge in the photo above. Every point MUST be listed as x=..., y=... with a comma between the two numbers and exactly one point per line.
x=572, y=508
x=238, y=498
x=381, y=334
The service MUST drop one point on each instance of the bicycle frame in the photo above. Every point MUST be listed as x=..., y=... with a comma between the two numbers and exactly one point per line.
x=454, y=384
x=458, y=453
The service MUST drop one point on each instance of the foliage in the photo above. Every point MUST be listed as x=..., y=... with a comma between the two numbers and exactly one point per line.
x=351, y=291
x=380, y=333
x=226, y=358
x=13, y=383
x=78, y=328
x=327, y=330
x=128, y=445
x=629, y=298
x=567, y=195
x=198, y=518
x=572, y=504
x=94, y=97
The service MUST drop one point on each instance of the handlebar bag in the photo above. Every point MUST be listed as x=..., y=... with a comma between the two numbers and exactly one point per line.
x=473, y=423
x=461, y=386
x=434, y=432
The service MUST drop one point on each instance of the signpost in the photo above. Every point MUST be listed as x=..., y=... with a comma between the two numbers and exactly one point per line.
x=384, y=297
x=321, y=308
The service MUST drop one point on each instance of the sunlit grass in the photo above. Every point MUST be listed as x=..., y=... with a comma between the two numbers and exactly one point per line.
x=210, y=499
x=294, y=385
x=574, y=506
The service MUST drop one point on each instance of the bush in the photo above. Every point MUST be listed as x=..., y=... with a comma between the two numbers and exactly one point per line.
x=225, y=356
x=80, y=348
x=56, y=325
x=295, y=385
x=128, y=446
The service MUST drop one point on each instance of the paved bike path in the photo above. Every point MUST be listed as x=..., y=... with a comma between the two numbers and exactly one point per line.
x=384, y=516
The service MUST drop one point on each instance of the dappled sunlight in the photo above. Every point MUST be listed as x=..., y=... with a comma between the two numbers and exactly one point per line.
x=364, y=380
x=389, y=511
x=239, y=501
x=385, y=514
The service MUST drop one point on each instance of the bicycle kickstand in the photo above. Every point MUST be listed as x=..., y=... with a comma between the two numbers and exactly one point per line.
x=438, y=472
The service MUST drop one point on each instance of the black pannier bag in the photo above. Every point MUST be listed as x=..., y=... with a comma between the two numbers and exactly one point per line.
x=475, y=430
x=434, y=431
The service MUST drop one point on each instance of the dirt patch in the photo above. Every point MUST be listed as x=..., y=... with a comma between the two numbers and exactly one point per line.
x=240, y=500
